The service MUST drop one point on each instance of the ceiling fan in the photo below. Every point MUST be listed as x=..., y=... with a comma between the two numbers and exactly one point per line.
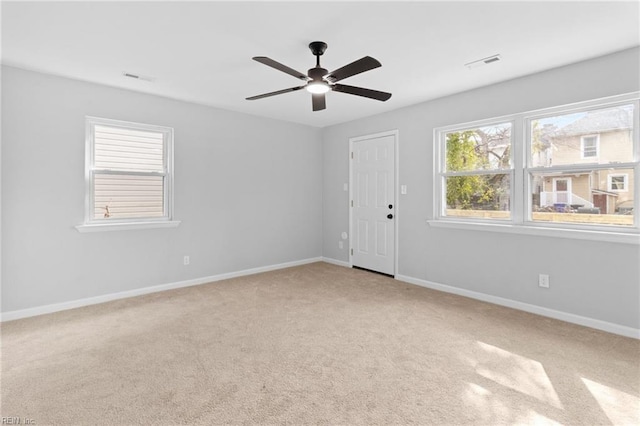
x=319, y=81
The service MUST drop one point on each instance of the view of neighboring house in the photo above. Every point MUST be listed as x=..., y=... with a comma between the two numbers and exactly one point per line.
x=589, y=138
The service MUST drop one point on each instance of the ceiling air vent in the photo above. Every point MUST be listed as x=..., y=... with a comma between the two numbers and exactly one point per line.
x=483, y=61
x=138, y=76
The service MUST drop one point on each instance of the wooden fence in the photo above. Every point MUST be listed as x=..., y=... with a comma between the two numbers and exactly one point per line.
x=597, y=219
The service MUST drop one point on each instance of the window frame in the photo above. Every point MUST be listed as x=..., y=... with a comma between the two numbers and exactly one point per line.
x=521, y=184
x=625, y=181
x=444, y=173
x=597, y=147
x=92, y=224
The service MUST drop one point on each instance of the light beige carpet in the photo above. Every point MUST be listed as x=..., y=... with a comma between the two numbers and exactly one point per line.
x=316, y=344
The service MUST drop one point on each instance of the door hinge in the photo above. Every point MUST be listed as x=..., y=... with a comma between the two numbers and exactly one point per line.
x=351, y=252
x=351, y=203
x=352, y=155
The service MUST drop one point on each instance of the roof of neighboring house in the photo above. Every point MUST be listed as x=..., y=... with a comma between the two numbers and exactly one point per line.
x=599, y=121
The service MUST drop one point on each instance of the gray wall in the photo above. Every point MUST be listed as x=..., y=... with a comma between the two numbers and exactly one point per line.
x=248, y=191
x=254, y=192
x=588, y=278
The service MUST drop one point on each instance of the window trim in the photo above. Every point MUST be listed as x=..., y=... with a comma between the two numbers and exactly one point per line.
x=521, y=202
x=90, y=224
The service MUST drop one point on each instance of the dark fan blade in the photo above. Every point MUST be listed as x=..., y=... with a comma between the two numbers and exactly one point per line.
x=277, y=65
x=279, y=92
x=361, y=65
x=367, y=93
x=319, y=101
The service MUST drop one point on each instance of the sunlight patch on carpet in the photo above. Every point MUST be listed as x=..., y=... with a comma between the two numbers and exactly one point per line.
x=615, y=403
x=489, y=408
x=535, y=418
x=516, y=372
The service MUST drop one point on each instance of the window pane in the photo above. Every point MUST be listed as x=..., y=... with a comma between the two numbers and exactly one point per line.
x=479, y=196
x=128, y=196
x=600, y=136
x=585, y=197
x=125, y=149
x=483, y=148
x=589, y=146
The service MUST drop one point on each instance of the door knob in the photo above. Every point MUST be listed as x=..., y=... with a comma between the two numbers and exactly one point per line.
x=389, y=216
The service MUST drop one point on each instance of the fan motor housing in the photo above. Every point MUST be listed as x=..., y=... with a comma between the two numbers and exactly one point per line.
x=317, y=73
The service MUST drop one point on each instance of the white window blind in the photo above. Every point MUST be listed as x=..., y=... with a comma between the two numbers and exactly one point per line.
x=126, y=149
x=129, y=177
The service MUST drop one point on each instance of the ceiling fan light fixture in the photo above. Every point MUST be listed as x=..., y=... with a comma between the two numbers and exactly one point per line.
x=318, y=87
x=319, y=81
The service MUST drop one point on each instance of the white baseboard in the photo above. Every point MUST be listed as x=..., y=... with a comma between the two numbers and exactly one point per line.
x=551, y=313
x=56, y=307
x=545, y=312
x=336, y=262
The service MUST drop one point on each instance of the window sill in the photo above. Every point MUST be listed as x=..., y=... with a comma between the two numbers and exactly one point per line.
x=125, y=226
x=541, y=231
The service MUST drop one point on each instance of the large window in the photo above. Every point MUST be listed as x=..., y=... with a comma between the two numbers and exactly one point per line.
x=566, y=167
x=128, y=172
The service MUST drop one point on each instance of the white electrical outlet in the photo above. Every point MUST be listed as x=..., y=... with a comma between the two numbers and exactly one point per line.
x=543, y=280
x=186, y=260
x=340, y=245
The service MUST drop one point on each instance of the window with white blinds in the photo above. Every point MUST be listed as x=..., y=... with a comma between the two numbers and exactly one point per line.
x=128, y=171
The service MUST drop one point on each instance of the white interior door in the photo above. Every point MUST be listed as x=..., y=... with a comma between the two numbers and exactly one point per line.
x=374, y=209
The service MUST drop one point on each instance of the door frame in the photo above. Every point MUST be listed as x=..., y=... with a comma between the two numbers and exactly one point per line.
x=396, y=193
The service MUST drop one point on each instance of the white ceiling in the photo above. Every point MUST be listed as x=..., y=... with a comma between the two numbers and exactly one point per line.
x=201, y=51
